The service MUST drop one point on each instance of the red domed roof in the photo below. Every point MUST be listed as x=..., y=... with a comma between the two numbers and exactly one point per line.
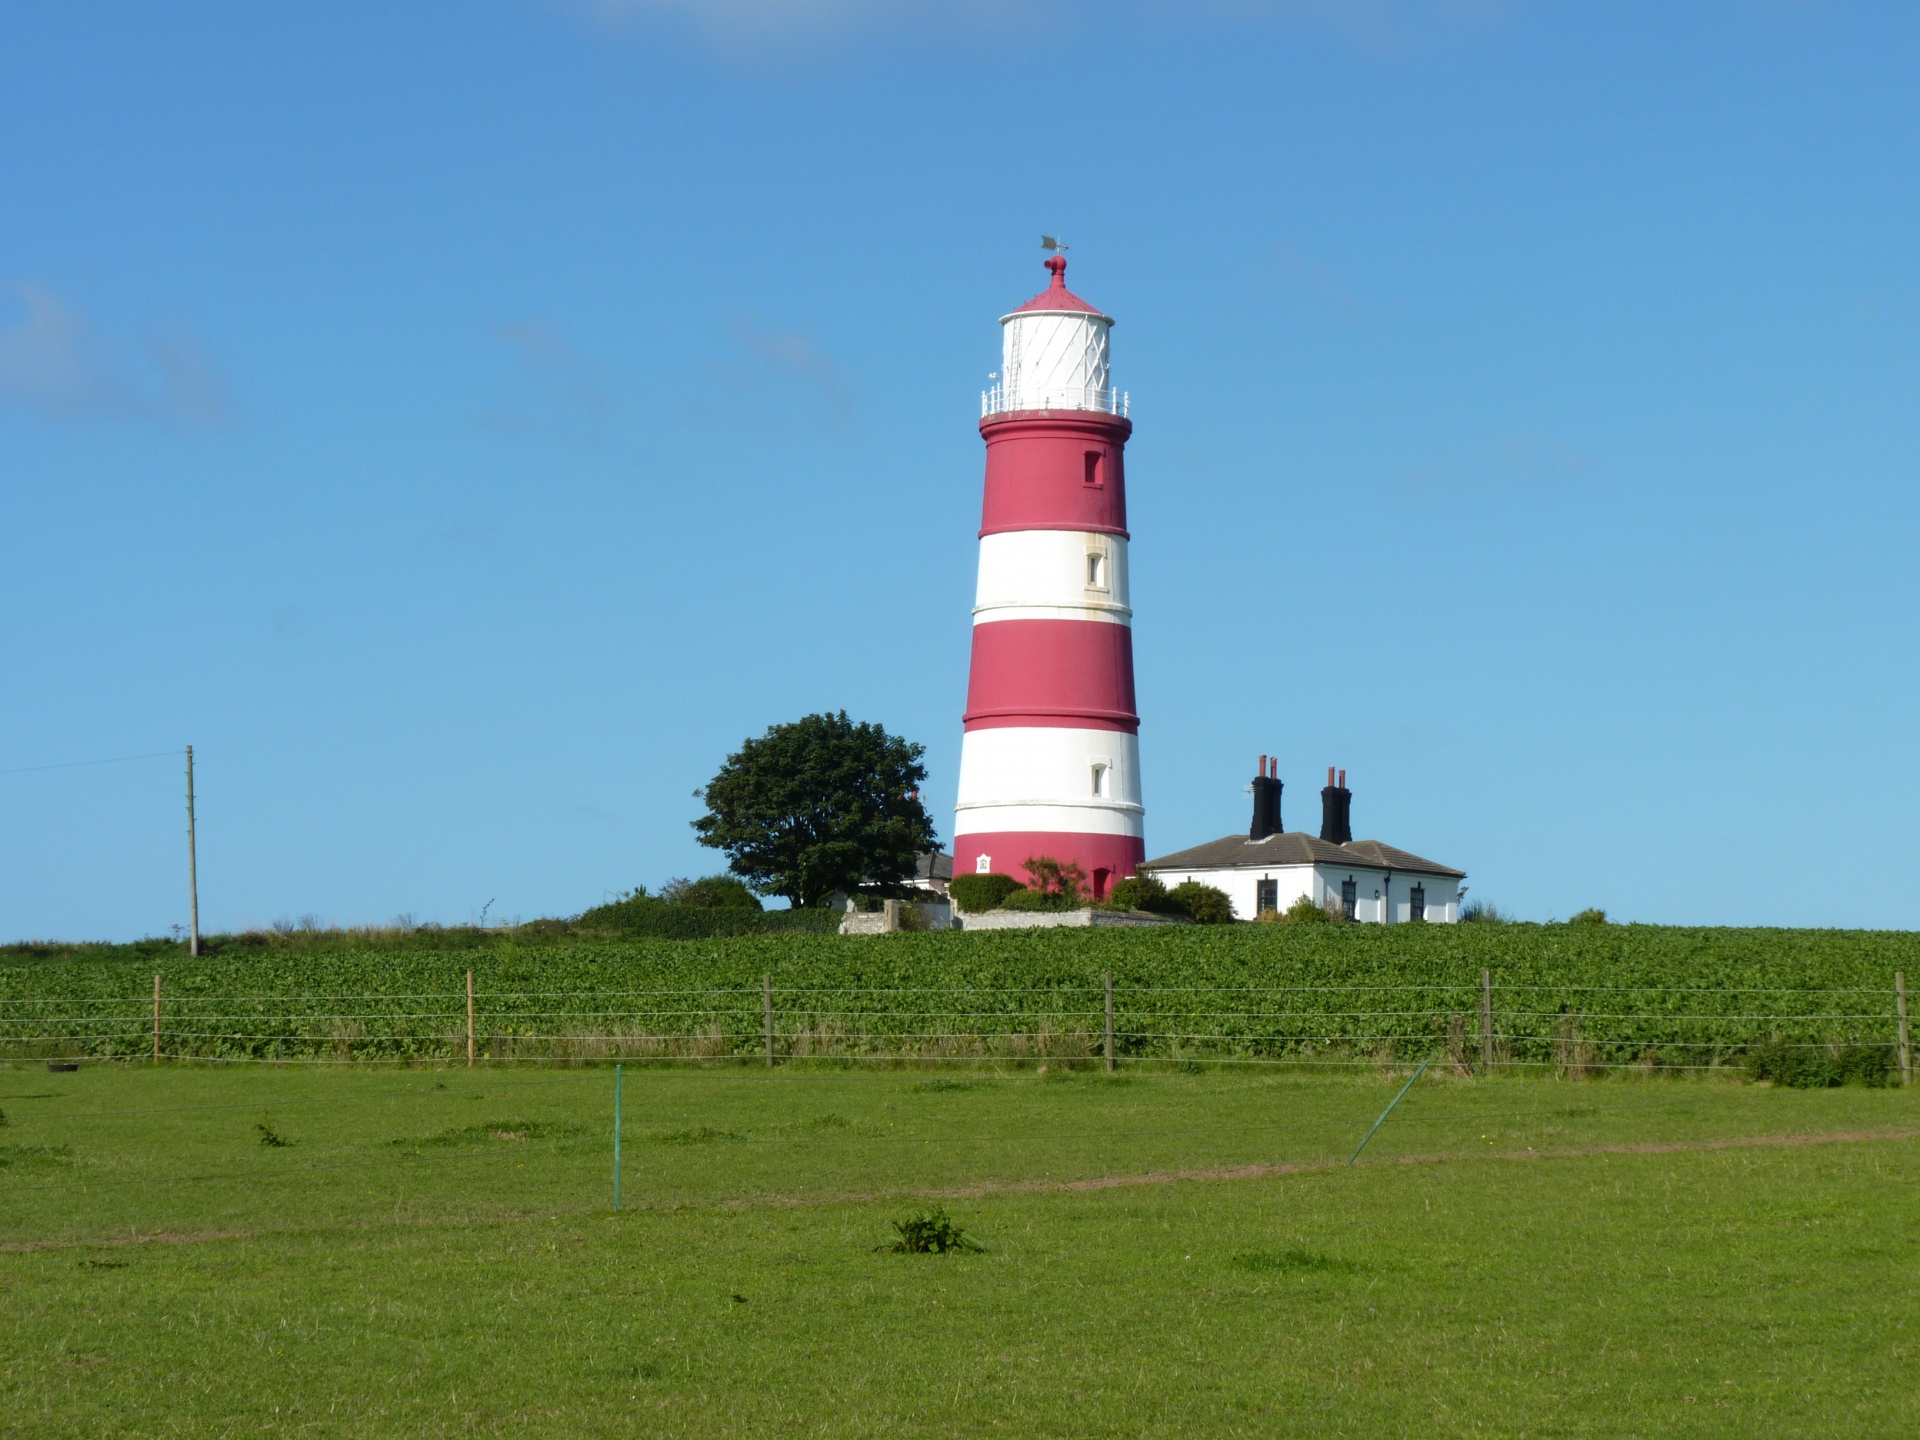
x=1057, y=297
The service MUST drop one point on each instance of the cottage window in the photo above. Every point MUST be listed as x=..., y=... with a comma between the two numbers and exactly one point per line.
x=1350, y=898
x=1266, y=896
x=1417, y=903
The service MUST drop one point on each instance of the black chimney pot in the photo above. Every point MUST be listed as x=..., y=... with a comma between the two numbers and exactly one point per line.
x=1266, y=804
x=1336, y=810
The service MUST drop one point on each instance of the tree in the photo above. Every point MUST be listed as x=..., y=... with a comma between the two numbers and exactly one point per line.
x=817, y=805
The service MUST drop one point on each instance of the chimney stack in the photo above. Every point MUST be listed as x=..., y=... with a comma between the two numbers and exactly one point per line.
x=1266, y=801
x=1336, y=809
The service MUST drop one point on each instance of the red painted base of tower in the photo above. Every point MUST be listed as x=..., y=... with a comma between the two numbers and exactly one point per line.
x=1105, y=858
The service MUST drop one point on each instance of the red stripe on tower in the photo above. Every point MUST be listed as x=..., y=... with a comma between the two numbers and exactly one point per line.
x=1050, y=761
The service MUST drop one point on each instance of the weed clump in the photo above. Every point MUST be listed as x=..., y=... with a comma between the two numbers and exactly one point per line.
x=1806, y=1067
x=699, y=1135
x=271, y=1138
x=1293, y=1261
x=931, y=1232
x=497, y=1130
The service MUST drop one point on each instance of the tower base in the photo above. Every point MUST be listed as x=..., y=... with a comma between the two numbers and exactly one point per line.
x=1104, y=858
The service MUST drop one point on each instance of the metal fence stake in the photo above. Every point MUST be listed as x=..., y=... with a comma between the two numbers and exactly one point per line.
x=766, y=982
x=156, y=1018
x=1109, y=1022
x=1486, y=1022
x=616, y=1137
x=1900, y=1013
x=469, y=1017
x=1389, y=1110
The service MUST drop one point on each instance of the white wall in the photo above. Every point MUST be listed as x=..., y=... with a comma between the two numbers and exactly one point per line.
x=1241, y=884
x=1442, y=893
x=1050, y=359
x=1042, y=575
x=1040, y=778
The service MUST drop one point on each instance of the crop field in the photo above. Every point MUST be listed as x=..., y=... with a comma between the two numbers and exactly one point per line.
x=1557, y=997
x=433, y=1251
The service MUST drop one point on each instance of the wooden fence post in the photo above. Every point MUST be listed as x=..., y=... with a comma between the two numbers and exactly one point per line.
x=1109, y=1022
x=1486, y=1022
x=156, y=1017
x=469, y=1017
x=1900, y=1013
x=766, y=993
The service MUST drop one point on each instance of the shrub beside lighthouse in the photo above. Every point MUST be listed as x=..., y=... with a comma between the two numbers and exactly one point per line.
x=1050, y=761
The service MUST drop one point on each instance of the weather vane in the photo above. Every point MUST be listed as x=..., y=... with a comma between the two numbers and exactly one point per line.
x=1050, y=242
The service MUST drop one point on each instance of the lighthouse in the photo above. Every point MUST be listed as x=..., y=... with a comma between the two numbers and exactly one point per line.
x=1050, y=759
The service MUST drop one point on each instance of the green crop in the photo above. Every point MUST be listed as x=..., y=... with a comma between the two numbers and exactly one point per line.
x=1565, y=996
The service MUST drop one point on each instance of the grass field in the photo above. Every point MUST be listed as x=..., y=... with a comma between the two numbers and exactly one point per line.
x=432, y=1252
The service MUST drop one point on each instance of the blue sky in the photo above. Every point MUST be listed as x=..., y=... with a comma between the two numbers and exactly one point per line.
x=465, y=424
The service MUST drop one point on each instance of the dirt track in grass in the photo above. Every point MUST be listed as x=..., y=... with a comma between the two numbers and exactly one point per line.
x=1260, y=1172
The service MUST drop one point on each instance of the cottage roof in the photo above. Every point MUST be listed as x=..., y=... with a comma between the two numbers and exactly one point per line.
x=1296, y=847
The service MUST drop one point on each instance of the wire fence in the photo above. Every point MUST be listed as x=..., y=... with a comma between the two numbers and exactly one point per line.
x=1568, y=1029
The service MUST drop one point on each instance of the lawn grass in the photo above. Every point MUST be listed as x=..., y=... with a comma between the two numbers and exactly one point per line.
x=433, y=1253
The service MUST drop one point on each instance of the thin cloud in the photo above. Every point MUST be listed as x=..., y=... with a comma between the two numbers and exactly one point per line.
x=558, y=386
x=1381, y=26
x=56, y=364
x=1376, y=25
x=772, y=22
x=1517, y=457
x=1320, y=283
x=796, y=353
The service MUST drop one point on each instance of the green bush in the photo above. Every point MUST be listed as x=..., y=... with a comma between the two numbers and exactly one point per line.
x=1202, y=904
x=711, y=892
x=1304, y=912
x=974, y=893
x=1056, y=877
x=641, y=914
x=1024, y=899
x=1807, y=1067
x=1140, y=892
x=1589, y=917
x=1483, y=912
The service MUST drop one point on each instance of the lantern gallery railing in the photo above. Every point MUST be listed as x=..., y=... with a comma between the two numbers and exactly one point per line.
x=999, y=401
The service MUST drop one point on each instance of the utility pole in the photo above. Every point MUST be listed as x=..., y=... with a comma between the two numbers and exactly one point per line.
x=193, y=876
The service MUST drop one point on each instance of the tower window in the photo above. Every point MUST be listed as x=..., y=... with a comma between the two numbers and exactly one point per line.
x=1266, y=896
x=1095, y=476
x=1417, y=903
x=983, y=864
x=1102, y=785
x=1096, y=571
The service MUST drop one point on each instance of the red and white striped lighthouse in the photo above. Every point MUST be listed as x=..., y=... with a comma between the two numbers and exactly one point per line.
x=1050, y=763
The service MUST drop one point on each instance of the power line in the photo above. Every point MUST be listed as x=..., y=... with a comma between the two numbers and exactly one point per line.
x=77, y=764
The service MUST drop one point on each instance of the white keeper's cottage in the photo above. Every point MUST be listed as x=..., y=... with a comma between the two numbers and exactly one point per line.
x=1269, y=868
